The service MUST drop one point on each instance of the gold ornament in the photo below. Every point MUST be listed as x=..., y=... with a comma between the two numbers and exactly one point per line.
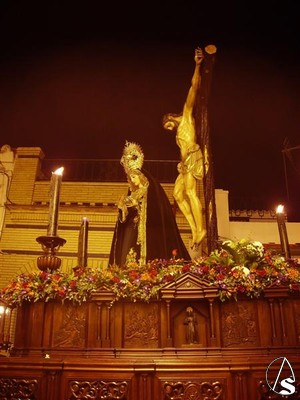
x=133, y=156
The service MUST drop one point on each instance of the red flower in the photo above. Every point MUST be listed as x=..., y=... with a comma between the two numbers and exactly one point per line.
x=204, y=269
x=153, y=273
x=167, y=278
x=44, y=275
x=56, y=277
x=134, y=275
x=61, y=292
x=73, y=284
x=79, y=271
x=115, y=279
x=261, y=272
x=186, y=268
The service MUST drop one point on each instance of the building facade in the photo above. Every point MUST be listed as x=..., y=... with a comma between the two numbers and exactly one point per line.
x=24, y=213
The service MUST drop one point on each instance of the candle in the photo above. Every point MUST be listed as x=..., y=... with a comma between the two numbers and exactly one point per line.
x=83, y=243
x=54, y=201
x=2, y=318
x=285, y=248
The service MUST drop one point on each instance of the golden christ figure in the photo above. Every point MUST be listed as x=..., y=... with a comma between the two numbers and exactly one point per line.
x=191, y=167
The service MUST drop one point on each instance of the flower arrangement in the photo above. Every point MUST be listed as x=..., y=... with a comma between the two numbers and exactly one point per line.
x=236, y=267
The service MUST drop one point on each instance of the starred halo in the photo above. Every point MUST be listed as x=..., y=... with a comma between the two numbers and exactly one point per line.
x=133, y=156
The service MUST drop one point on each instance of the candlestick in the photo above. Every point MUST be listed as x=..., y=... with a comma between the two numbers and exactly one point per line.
x=83, y=243
x=5, y=326
x=54, y=201
x=285, y=248
x=2, y=318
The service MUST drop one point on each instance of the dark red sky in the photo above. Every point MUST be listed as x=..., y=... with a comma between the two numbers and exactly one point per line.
x=79, y=80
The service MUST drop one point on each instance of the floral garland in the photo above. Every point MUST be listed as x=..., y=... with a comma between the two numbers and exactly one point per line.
x=237, y=267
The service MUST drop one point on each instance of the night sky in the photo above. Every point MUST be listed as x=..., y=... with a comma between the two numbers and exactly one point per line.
x=78, y=80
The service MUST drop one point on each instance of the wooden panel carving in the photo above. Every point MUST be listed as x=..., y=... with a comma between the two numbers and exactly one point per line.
x=141, y=325
x=239, y=324
x=69, y=328
x=192, y=391
x=297, y=317
x=98, y=390
x=18, y=388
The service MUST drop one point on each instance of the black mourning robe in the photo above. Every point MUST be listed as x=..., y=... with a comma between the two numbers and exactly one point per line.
x=162, y=233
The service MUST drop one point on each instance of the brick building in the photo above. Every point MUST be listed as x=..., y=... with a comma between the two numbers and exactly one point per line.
x=85, y=192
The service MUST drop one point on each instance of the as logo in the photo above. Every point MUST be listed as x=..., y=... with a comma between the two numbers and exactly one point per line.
x=281, y=369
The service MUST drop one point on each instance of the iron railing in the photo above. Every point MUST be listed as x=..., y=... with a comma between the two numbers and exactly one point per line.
x=108, y=170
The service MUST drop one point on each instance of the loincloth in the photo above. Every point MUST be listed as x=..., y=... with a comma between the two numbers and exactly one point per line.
x=193, y=163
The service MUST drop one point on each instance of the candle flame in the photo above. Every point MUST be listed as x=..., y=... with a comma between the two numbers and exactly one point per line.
x=279, y=209
x=59, y=171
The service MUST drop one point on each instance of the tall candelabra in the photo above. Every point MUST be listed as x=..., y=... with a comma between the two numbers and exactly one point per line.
x=52, y=242
x=285, y=247
x=5, y=327
x=50, y=245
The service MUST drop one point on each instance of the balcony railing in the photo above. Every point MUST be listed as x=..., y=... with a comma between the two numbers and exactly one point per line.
x=82, y=170
x=110, y=170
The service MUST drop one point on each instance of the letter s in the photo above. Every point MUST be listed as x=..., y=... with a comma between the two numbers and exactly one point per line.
x=286, y=383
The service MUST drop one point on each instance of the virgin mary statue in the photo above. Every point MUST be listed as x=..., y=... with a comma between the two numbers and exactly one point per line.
x=146, y=223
